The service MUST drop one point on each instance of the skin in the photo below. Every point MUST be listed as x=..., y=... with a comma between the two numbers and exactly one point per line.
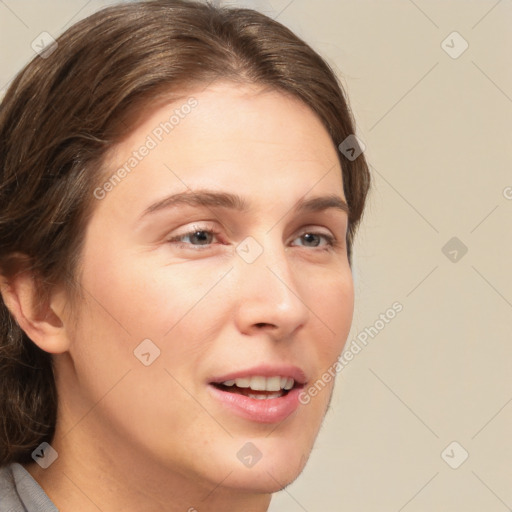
x=132, y=437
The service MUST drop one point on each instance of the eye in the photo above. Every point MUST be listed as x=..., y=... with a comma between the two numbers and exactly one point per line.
x=312, y=239
x=196, y=237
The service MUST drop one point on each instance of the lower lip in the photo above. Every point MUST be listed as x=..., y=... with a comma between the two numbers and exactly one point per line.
x=270, y=410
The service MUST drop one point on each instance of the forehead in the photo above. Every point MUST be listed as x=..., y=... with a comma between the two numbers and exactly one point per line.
x=240, y=137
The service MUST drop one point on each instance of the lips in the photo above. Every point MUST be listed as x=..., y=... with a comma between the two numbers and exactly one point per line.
x=263, y=394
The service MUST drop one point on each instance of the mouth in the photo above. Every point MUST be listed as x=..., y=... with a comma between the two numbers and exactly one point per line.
x=258, y=387
x=262, y=394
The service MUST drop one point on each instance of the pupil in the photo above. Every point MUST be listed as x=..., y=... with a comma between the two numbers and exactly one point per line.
x=202, y=237
x=309, y=237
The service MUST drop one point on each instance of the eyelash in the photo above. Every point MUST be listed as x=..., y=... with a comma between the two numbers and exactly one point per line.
x=331, y=241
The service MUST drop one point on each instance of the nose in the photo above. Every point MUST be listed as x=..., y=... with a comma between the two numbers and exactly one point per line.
x=270, y=295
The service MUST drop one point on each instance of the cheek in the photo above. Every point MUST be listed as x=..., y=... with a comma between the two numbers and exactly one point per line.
x=135, y=299
x=332, y=316
x=142, y=295
x=333, y=305
x=127, y=303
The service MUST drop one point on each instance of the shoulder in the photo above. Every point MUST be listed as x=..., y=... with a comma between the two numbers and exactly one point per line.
x=19, y=492
x=9, y=499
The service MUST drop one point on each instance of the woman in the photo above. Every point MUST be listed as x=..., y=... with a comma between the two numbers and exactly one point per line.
x=176, y=226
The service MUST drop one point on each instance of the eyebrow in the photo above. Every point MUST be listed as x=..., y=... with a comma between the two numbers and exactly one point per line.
x=231, y=201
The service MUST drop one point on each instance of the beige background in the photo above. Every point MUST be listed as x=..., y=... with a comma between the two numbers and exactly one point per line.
x=438, y=132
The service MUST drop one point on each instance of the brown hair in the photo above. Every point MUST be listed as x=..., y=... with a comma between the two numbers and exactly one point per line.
x=62, y=114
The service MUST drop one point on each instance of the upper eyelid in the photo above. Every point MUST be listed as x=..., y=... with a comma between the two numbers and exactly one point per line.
x=316, y=217
x=198, y=227
x=193, y=231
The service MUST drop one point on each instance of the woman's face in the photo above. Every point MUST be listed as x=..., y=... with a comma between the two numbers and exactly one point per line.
x=211, y=262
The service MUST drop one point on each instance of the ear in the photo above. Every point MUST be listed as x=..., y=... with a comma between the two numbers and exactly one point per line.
x=42, y=321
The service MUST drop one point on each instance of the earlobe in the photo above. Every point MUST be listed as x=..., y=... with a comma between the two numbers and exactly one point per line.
x=40, y=320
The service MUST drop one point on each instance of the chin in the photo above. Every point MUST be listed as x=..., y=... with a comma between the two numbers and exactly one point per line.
x=263, y=480
x=266, y=464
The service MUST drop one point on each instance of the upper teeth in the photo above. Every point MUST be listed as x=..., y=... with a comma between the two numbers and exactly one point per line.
x=262, y=383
